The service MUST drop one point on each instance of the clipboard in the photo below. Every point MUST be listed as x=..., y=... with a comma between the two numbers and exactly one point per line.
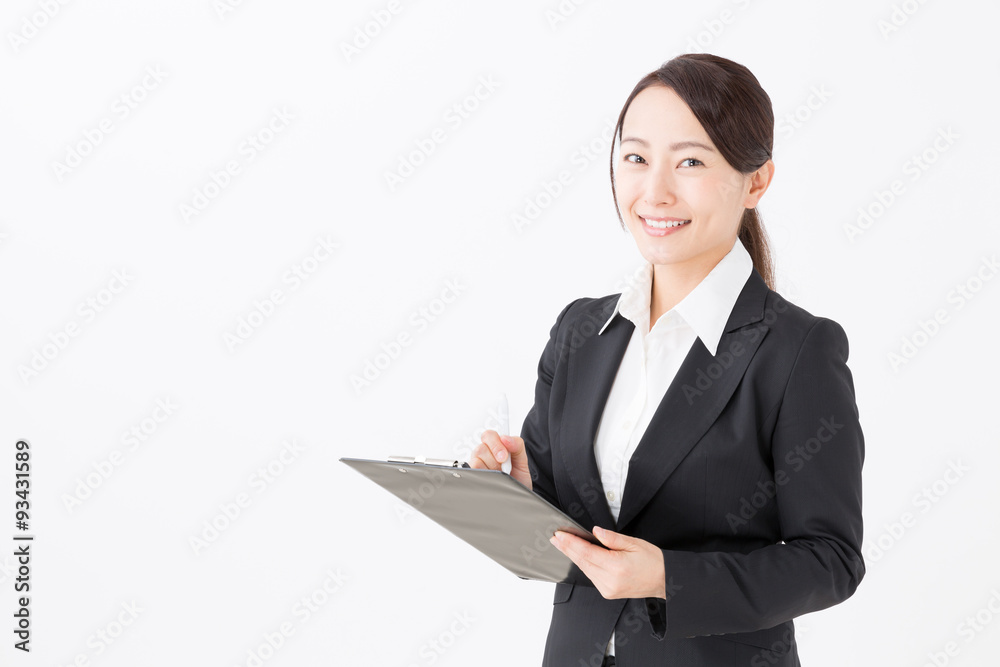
x=488, y=509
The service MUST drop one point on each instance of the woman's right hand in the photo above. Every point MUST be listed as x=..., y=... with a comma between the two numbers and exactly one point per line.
x=494, y=450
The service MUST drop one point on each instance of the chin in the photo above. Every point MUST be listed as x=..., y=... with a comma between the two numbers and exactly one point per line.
x=654, y=257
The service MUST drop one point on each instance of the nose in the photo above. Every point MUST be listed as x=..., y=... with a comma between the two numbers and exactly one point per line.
x=659, y=187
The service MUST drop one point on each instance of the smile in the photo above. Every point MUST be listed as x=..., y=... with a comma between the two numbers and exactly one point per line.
x=662, y=226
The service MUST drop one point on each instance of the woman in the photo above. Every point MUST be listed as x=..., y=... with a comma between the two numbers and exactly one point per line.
x=703, y=425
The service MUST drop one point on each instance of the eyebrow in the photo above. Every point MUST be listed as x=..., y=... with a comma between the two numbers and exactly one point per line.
x=680, y=145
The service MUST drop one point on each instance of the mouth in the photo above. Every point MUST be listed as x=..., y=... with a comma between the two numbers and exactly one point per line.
x=662, y=226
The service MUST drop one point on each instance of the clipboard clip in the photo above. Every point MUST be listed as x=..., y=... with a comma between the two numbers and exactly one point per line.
x=443, y=463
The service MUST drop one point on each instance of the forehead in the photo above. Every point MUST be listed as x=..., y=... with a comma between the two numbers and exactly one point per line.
x=657, y=112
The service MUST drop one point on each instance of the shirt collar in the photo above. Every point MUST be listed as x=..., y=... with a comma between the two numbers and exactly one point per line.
x=705, y=309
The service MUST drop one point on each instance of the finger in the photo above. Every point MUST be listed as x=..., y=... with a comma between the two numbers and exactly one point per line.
x=560, y=545
x=515, y=446
x=575, y=549
x=598, y=561
x=483, y=454
x=613, y=540
x=595, y=575
x=579, y=550
x=492, y=440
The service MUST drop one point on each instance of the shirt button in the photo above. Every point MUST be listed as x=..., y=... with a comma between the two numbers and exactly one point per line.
x=627, y=426
x=611, y=496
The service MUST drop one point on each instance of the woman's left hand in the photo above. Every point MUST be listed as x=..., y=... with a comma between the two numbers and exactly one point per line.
x=628, y=568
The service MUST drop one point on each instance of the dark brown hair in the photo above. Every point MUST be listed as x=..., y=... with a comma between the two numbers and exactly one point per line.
x=730, y=104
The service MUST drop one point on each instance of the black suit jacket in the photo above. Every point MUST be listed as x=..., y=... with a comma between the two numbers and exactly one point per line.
x=748, y=478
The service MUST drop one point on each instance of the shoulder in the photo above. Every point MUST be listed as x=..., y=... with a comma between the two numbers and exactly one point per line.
x=792, y=329
x=589, y=310
x=798, y=351
x=579, y=323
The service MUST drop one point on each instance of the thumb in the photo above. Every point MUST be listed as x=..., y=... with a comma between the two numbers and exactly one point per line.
x=515, y=446
x=612, y=540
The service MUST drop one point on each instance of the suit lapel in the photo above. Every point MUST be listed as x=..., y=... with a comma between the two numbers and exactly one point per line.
x=691, y=404
x=591, y=371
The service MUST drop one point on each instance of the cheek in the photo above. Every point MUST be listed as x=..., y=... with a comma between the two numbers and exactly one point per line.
x=708, y=197
x=628, y=181
x=724, y=191
x=626, y=192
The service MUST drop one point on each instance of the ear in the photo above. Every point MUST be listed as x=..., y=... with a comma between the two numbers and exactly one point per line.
x=759, y=182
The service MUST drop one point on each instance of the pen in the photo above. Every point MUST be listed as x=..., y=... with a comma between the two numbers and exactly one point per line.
x=503, y=425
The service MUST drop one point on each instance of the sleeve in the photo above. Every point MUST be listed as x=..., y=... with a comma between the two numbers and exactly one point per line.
x=535, y=430
x=817, y=449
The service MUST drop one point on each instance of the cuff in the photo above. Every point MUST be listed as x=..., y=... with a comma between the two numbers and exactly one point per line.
x=656, y=609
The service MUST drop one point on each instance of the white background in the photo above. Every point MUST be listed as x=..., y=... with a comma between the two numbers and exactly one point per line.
x=559, y=79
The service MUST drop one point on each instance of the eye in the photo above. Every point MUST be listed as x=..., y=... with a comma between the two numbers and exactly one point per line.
x=691, y=159
x=626, y=158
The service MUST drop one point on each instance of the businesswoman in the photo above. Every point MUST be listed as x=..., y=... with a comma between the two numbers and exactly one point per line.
x=703, y=425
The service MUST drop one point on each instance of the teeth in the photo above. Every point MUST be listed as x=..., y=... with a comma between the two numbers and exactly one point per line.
x=663, y=224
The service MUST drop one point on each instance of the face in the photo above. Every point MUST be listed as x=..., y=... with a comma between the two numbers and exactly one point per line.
x=669, y=170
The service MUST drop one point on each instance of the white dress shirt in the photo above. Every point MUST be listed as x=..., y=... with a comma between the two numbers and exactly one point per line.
x=653, y=357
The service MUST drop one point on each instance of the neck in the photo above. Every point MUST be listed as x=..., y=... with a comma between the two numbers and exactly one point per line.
x=673, y=282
